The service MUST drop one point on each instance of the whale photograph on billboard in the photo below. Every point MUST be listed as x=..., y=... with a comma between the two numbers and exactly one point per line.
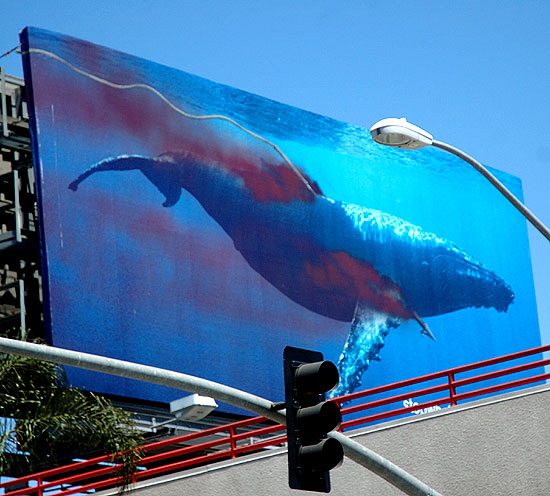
x=196, y=227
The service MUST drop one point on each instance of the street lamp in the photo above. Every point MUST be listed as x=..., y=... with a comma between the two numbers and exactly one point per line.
x=402, y=134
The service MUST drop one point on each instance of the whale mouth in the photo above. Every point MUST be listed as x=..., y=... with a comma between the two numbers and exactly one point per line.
x=460, y=283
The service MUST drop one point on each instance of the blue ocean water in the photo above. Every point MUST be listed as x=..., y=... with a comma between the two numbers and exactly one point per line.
x=150, y=278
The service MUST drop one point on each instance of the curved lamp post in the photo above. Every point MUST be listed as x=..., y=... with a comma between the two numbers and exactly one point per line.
x=402, y=134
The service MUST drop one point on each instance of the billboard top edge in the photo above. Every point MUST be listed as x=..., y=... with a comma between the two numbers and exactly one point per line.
x=320, y=132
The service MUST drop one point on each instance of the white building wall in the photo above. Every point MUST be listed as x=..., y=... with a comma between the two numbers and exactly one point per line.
x=490, y=447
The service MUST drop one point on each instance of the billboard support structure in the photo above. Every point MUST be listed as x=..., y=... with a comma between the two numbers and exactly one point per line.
x=19, y=272
x=396, y=476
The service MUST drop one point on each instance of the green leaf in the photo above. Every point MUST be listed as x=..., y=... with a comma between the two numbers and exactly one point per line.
x=55, y=421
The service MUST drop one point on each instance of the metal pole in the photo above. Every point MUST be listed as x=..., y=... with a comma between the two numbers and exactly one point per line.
x=497, y=184
x=4, y=102
x=363, y=456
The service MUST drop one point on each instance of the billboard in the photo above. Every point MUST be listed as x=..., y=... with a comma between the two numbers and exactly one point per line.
x=199, y=228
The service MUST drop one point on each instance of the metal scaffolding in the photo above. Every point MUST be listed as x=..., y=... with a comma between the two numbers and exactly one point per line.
x=20, y=283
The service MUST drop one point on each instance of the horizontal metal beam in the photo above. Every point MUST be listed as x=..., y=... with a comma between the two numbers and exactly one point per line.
x=252, y=403
x=14, y=142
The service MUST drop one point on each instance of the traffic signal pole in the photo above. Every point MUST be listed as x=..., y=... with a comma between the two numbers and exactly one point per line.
x=261, y=406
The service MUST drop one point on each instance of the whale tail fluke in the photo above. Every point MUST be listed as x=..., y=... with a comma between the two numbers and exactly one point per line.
x=121, y=163
x=148, y=166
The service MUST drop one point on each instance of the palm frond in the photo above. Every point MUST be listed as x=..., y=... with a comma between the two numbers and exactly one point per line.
x=53, y=420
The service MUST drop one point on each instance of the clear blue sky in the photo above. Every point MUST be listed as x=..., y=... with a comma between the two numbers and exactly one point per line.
x=476, y=74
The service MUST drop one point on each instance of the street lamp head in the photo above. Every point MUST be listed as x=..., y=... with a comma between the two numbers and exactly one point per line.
x=400, y=134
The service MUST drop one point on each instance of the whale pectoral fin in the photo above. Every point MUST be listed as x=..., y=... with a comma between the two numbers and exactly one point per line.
x=425, y=329
x=365, y=340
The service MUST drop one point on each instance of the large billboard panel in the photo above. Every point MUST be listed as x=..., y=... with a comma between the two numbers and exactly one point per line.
x=200, y=228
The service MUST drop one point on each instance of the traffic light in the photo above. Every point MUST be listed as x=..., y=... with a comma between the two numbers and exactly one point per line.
x=311, y=455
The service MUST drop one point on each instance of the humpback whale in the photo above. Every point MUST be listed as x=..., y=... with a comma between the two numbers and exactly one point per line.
x=344, y=261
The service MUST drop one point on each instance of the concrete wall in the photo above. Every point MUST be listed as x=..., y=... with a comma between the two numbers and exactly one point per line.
x=493, y=447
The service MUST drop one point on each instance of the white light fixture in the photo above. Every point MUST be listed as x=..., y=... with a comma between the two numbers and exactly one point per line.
x=192, y=408
x=400, y=133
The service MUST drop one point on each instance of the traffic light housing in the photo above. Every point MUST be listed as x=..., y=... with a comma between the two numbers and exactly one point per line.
x=311, y=454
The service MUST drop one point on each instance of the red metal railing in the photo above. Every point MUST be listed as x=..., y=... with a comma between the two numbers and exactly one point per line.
x=446, y=384
x=256, y=434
